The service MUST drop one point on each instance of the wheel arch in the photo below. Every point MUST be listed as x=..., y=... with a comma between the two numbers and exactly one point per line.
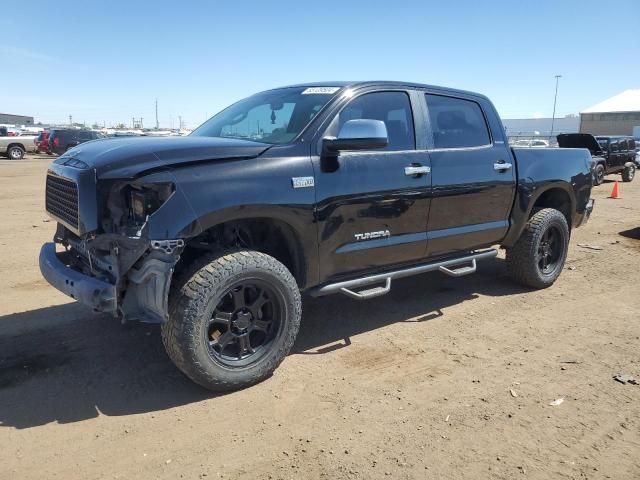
x=557, y=195
x=271, y=233
x=557, y=198
x=16, y=144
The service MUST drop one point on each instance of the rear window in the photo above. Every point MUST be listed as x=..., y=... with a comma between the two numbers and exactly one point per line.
x=86, y=135
x=63, y=134
x=457, y=123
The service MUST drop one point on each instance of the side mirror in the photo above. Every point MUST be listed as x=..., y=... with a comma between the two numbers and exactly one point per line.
x=361, y=134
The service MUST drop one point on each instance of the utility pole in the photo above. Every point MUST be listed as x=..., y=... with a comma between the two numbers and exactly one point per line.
x=555, y=100
x=157, y=124
x=70, y=119
x=179, y=122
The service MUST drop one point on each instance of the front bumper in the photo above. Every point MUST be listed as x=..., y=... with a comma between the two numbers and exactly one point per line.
x=95, y=293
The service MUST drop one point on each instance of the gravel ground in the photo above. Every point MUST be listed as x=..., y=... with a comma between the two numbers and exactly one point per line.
x=442, y=378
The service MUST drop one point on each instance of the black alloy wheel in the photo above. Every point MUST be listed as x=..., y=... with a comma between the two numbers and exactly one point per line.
x=244, y=323
x=233, y=318
x=550, y=250
x=537, y=258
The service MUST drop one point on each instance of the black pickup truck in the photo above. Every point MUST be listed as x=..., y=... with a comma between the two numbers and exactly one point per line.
x=316, y=189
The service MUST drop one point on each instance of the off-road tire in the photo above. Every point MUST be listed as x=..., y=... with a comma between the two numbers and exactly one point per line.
x=598, y=174
x=523, y=258
x=628, y=173
x=194, y=298
x=15, y=153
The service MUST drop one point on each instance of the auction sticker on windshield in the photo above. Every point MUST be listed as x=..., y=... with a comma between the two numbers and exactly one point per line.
x=320, y=90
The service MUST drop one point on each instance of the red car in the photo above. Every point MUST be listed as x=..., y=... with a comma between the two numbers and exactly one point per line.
x=42, y=142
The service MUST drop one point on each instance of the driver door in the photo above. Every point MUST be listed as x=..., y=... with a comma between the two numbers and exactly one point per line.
x=371, y=211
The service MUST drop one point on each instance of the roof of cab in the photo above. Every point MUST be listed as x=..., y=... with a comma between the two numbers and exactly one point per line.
x=385, y=83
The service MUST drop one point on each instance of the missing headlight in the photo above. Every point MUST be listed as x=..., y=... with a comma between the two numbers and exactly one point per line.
x=144, y=200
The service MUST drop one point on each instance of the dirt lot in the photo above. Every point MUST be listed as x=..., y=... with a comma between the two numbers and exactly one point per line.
x=416, y=384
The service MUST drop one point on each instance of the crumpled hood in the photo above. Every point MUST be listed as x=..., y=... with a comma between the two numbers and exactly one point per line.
x=129, y=157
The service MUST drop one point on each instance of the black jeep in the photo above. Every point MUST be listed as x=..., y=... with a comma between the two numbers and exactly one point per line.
x=615, y=154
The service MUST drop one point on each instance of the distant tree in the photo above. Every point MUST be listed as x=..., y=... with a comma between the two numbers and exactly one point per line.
x=121, y=125
x=95, y=125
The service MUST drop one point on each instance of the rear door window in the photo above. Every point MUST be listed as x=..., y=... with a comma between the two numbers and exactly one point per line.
x=457, y=123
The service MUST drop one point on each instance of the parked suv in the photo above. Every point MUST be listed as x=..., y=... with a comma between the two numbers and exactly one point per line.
x=322, y=189
x=614, y=154
x=61, y=140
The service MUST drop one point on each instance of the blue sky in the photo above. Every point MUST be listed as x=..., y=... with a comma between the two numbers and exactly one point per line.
x=108, y=61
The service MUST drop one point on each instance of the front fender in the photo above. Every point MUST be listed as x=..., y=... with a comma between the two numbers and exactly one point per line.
x=236, y=190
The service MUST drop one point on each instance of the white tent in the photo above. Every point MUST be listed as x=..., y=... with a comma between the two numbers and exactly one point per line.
x=627, y=101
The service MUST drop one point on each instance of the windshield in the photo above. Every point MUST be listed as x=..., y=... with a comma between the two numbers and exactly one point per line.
x=604, y=142
x=275, y=117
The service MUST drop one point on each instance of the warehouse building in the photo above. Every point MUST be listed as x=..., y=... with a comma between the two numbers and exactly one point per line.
x=526, y=127
x=9, y=119
x=619, y=115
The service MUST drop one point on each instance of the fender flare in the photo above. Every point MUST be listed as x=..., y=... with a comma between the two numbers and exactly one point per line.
x=524, y=202
x=301, y=236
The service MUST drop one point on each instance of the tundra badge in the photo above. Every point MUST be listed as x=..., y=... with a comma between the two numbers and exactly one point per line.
x=371, y=235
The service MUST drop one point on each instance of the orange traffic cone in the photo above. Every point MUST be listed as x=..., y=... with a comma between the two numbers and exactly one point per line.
x=615, y=193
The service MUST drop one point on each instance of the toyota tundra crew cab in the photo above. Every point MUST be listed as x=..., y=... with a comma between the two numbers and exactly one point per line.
x=310, y=189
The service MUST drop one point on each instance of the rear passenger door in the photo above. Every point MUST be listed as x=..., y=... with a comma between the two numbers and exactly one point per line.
x=472, y=174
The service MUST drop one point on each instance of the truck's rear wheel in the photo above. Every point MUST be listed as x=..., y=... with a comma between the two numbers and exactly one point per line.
x=628, y=173
x=233, y=320
x=537, y=258
x=15, y=153
x=598, y=174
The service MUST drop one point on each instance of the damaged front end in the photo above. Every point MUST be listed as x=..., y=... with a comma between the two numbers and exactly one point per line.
x=124, y=264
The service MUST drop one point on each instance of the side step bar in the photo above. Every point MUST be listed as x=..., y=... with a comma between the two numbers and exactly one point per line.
x=454, y=267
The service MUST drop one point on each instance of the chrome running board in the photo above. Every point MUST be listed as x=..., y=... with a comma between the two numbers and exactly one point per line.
x=454, y=267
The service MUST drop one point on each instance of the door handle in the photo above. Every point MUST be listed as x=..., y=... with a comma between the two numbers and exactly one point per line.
x=416, y=170
x=501, y=166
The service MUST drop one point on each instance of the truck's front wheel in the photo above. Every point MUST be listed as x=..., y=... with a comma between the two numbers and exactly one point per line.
x=233, y=320
x=598, y=174
x=538, y=256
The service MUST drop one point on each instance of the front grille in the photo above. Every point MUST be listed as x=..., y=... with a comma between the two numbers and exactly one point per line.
x=61, y=199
